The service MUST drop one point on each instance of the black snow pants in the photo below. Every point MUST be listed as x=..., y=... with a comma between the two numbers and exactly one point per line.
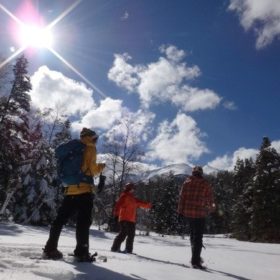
x=127, y=231
x=196, y=236
x=82, y=205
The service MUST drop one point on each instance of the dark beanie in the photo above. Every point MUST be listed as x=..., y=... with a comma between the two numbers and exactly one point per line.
x=88, y=132
x=128, y=187
x=197, y=171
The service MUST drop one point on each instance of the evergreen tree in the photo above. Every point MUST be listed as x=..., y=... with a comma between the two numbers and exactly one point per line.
x=144, y=223
x=14, y=129
x=35, y=201
x=265, y=224
x=165, y=201
x=242, y=198
x=219, y=221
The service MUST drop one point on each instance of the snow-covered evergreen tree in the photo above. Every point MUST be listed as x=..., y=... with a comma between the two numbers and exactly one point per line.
x=14, y=130
x=165, y=202
x=265, y=224
x=242, y=198
x=219, y=221
x=35, y=201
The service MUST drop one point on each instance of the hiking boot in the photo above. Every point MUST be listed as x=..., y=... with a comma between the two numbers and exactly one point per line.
x=128, y=252
x=201, y=261
x=198, y=266
x=52, y=254
x=115, y=250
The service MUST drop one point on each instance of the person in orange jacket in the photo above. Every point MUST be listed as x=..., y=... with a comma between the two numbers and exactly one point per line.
x=125, y=209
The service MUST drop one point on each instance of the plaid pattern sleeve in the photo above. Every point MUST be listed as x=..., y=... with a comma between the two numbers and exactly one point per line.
x=195, y=198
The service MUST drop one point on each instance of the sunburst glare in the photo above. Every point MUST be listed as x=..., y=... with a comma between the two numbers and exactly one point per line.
x=35, y=36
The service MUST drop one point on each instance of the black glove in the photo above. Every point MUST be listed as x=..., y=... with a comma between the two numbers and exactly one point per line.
x=181, y=218
x=101, y=183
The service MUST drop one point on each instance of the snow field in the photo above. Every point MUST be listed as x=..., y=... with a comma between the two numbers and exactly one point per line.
x=158, y=258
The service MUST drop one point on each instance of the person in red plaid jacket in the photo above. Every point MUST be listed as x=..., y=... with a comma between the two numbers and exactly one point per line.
x=195, y=202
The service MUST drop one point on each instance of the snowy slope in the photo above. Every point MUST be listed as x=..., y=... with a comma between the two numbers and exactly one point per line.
x=158, y=258
x=176, y=169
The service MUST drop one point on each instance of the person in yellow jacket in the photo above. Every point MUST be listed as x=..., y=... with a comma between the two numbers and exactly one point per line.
x=78, y=198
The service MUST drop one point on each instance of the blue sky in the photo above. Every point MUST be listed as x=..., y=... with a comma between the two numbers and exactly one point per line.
x=198, y=80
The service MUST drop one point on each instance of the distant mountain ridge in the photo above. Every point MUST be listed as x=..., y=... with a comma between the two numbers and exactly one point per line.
x=179, y=170
x=143, y=172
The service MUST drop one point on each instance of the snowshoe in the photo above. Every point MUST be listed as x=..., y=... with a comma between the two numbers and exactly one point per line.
x=124, y=252
x=86, y=257
x=89, y=257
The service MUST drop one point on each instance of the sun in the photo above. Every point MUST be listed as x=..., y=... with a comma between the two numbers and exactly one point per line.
x=35, y=36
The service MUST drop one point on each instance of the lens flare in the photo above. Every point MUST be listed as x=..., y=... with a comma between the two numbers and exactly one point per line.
x=37, y=36
x=34, y=36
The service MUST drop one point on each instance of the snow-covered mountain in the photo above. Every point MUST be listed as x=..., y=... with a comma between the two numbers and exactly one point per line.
x=178, y=170
x=144, y=172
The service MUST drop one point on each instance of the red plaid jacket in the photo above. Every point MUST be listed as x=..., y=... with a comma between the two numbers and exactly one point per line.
x=196, y=198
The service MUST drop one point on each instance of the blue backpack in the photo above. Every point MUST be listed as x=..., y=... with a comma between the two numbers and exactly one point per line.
x=69, y=161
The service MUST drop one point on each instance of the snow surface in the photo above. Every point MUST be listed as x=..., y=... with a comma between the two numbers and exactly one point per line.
x=158, y=258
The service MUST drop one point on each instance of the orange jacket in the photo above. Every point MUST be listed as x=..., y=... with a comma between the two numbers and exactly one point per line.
x=127, y=205
x=89, y=167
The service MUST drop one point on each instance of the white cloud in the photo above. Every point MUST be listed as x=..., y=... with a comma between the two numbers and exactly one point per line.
x=172, y=53
x=166, y=80
x=124, y=74
x=178, y=141
x=276, y=145
x=158, y=77
x=51, y=89
x=125, y=16
x=141, y=122
x=230, y=105
x=263, y=16
x=139, y=125
x=227, y=162
x=103, y=116
x=193, y=99
x=110, y=115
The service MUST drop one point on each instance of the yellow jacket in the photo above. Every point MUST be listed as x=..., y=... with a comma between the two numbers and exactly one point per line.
x=89, y=167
